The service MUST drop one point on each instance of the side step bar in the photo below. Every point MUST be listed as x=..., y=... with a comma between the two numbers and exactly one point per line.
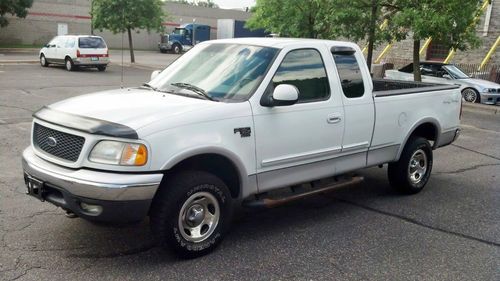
x=293, y=196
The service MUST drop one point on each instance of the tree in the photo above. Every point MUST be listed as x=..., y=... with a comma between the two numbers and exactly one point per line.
x=290, y=18
x=19, y=8
x=327, y=19
x=451, y=22
x=128, y=15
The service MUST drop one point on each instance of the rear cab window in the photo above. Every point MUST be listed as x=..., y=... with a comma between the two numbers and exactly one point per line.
x=91, y=43
x=350, y=74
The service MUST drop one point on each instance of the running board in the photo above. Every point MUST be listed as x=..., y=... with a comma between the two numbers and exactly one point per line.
x=293, y=196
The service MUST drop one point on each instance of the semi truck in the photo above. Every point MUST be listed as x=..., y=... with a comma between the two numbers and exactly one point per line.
x=230, y=28
x=184, y=37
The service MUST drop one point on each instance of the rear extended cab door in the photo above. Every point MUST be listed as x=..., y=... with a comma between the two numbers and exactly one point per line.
x=356, y=90
x=299, y=142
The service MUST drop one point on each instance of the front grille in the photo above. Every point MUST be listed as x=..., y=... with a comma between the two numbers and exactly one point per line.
x=62, y=145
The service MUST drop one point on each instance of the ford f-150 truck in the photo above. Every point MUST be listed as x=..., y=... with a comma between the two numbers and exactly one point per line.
x=245, y=121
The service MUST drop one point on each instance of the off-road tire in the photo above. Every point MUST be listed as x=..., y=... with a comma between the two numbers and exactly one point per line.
x=400, y=173
x=165, y=214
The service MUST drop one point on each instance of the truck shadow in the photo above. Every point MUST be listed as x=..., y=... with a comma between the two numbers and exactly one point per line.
x=250, y=229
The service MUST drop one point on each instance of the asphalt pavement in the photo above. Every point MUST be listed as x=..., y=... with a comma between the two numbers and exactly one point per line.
x=449, y=231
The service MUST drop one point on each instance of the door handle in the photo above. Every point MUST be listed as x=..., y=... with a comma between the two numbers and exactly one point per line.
x=334, y=118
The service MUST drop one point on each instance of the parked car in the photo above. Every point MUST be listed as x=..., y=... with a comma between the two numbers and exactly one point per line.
x=473, y=90
x=76, y=51
x=235, y=121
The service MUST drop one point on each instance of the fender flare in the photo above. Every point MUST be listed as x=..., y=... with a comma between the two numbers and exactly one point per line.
x=231, y=156
x=431, y=120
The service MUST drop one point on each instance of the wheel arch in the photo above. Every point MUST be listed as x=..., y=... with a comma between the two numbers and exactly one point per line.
x=428, y=128
x=478, y=92
x=223, y=163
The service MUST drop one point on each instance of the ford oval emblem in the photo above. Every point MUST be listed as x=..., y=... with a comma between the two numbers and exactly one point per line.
x=51, y=141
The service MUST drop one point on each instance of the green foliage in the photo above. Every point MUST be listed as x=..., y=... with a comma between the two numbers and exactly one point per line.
x=451, y=22
x=122, y=15
x=290, y=18
x=207, y=4
x=19, y=8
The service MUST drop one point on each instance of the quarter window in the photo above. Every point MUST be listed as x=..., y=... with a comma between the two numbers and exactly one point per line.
x=305, y=70
x=350, y=75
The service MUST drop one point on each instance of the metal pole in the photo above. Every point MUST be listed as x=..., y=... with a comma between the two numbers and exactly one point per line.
x=92, y=17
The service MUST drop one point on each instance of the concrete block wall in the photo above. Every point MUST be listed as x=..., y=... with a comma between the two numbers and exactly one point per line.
x=41, y=23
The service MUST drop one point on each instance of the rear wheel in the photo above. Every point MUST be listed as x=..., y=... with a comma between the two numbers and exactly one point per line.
x=471, y=95
x=191, y=213
x=43, y=61
x=412, y=171
x=101, y=68
x=69, y=64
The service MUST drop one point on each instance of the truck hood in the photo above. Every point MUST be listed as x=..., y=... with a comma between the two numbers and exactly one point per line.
x=132, y=107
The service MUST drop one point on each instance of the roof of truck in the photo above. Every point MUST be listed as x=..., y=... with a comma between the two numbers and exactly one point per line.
x=282, y=42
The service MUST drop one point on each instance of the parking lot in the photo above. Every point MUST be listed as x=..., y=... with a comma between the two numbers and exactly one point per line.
x=449, y=231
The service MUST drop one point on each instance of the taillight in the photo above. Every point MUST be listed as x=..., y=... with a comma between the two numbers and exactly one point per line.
x=107, y=53
x=78, y=53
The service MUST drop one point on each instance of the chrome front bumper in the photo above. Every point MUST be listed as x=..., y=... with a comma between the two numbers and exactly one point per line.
x=98, y=185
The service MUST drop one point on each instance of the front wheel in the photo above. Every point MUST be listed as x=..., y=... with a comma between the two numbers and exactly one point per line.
x=43, y=61
x=191, y=213
x=412, y=171
x=471, y=95
x=176, y=48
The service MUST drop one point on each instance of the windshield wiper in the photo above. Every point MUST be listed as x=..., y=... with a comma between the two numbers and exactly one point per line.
x=194, y=89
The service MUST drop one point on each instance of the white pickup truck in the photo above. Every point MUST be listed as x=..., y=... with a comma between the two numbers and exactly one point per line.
x=239, y=121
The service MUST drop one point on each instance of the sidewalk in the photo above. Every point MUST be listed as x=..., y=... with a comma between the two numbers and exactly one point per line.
x=145, y=59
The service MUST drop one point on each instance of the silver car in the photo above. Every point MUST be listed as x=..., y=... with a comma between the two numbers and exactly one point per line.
x=473, y=90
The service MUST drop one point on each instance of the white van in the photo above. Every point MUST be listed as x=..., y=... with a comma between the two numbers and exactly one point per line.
x=76, y=51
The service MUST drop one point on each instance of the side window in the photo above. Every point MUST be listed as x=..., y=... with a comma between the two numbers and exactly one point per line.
x=70, y=43
x=350, y=75
x=305, y=70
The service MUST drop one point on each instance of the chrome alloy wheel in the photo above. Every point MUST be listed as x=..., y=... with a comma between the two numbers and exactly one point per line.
x=470, y=95
x=199, y=217
x=418, y=166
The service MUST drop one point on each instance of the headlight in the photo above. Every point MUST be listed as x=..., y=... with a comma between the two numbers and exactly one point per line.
x=489, y=90
x=119, y=153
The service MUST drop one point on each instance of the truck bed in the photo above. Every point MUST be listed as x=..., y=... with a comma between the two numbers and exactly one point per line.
x=385, y=87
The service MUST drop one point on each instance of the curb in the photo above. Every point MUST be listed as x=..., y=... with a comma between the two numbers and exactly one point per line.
x=481, y=108
x=18, y=61
x=20, y=50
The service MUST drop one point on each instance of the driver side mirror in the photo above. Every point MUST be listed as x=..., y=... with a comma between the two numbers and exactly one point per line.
x=447, y=76
x=283, y=95
x=154, y=74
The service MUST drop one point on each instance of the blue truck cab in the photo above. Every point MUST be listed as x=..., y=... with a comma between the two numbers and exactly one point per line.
x=182, y=38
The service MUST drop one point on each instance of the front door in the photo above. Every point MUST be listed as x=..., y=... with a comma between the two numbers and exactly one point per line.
x=298, y=142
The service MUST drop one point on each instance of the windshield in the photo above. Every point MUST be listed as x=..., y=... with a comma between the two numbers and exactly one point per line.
x=180, y=31
x=222, y=71
x=455, y=72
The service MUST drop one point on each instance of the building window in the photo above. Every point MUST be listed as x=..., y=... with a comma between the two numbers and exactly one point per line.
x=437, y=51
